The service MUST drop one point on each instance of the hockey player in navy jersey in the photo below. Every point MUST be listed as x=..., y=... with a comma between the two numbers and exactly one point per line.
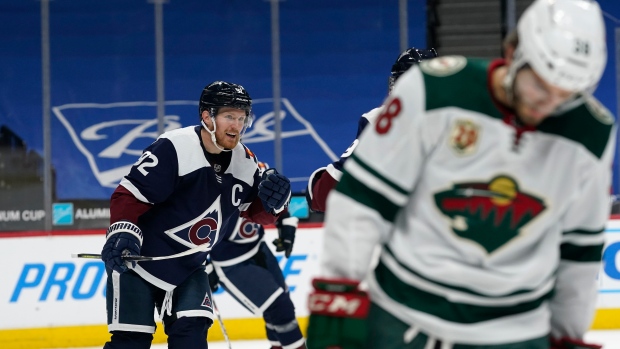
x=324, y=179
x=186, y=185
x=484, y=186
x=247, y=269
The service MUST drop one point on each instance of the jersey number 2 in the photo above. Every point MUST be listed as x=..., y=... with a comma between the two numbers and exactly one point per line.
x=147, y=159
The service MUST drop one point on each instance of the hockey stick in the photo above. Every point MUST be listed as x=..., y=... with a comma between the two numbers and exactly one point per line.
x=219, y=319
x=128, y=258
x=199, y=248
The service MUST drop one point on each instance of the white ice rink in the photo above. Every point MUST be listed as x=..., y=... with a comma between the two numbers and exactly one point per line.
x=609, y=340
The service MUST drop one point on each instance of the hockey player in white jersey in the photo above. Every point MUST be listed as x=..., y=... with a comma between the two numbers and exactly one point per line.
x=485, y=187
x=324, y=179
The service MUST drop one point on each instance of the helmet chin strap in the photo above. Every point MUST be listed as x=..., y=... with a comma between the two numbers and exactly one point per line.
x=212, y=133
x=509, y=80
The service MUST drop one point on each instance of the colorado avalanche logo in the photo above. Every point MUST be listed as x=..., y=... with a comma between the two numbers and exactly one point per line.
x=201, y=230
x=248, y=229
x=490, y=214
x=199, y=233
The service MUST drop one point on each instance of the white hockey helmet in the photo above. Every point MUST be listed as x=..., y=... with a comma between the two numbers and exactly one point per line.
x=564, y=42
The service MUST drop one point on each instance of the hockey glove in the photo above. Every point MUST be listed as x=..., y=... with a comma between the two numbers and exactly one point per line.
x=122, y=239
x=572, y=343
x=338, y=311
x=214, y=280
x=274, y=190
x=286, y=234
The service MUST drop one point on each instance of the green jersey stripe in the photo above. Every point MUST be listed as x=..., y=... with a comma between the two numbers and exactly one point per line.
x=359, y=192
x=378, y=175
x=453, y=287
x=441, y=307
x=583, y=232
x=376, y=183
x=577, y=253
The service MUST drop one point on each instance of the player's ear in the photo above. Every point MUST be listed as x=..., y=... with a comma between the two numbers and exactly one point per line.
x=206, y=118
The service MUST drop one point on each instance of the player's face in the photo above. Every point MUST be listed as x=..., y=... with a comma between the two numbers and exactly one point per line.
x=229, y=122
x=535, y=99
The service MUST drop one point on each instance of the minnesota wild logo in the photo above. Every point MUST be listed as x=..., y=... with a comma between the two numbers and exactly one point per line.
x=490, y=214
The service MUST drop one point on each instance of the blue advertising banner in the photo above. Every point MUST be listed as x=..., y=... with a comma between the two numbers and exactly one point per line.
x=335, y=60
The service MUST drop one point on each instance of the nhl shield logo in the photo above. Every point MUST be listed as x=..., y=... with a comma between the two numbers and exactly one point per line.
x=464, y=137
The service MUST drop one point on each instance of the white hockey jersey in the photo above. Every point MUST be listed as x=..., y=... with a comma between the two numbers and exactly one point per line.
x=490, y=233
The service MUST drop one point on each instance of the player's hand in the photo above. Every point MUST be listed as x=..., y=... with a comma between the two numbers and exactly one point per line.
x=286, y=234
x=122, y=239
x=338, y=311
x=572, y=343
x=274, y=190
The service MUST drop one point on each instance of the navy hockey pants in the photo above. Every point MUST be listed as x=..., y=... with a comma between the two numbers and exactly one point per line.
x=131, y=302
x=258, y=284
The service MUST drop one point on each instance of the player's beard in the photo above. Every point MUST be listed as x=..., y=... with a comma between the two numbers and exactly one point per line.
x=225, y=141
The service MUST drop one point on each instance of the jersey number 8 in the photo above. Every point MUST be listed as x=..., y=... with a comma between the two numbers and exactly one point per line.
x=384, y=122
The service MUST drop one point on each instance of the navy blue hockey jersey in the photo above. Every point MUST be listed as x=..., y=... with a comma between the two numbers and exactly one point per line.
x=240, y=242
x=188, y=201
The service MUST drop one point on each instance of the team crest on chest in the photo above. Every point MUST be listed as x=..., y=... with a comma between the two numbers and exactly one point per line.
x=464, y=137
x=248, y=230
x=202, y=230
x=489, y=214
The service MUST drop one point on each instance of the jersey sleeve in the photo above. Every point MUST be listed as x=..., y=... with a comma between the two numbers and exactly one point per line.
x=376, y=182
x=324, y=179
x=154, y=176
x=320, y=184
x=574, y=301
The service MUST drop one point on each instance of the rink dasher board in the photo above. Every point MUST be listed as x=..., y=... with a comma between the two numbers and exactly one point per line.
x=56, y=300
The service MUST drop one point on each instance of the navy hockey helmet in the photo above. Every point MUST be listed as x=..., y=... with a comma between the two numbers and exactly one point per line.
x=220, y=94
x=406, y=60
x=224, y=94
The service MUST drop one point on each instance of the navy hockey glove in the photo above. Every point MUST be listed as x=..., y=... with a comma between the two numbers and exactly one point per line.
x=338, y=311
x=274, y=190
x=123, y=239
x=572, y=343
x=286, y=234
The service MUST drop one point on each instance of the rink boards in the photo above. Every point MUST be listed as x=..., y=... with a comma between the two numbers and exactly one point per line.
x=49, y=299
